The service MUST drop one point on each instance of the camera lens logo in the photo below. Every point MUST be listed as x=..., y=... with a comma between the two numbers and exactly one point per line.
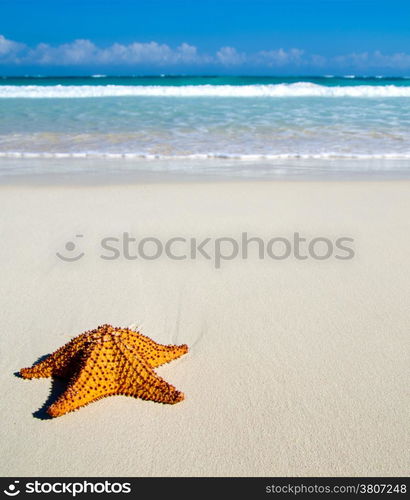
x=12, y=490
x=72, y=250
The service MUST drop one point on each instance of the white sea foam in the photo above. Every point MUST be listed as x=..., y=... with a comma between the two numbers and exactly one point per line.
x=205, y=156
x=300, y=89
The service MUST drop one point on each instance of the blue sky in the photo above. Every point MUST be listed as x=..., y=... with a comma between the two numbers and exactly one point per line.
x=199, y=37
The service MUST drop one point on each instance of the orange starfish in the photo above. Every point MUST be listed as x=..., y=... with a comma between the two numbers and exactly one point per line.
x=105, y=362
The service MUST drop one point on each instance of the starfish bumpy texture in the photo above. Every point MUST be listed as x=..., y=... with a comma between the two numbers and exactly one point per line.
x=108, y=361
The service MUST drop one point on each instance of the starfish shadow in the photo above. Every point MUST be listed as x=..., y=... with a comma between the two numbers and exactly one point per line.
x=58, y=386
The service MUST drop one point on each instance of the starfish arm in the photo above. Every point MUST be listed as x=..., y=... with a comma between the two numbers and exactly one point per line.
x=56, y=363
x=167, y=353
x=162, y=354
x=156, y=354
x=88, y=384
x=142, y=382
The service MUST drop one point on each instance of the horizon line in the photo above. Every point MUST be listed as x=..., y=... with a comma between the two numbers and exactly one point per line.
x=205, y=75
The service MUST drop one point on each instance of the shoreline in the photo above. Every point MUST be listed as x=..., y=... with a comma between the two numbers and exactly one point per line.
x=106, y=171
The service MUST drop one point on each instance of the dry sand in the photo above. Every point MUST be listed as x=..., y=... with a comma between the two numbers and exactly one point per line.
x=295, y=367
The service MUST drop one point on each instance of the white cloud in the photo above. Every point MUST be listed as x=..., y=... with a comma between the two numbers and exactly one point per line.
x=229, y=56
x=86, y=53
x=280, y=57
x=152, y=52
x=9, y=49
x=376, y=59
x=75, y=53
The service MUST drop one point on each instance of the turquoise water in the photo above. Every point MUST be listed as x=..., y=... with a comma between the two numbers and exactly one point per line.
x=244, y=118
x=169, y=80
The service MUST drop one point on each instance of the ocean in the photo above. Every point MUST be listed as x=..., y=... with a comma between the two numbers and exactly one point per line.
x=257, y=120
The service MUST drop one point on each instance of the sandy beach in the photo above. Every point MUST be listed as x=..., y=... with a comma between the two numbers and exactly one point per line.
x=296, y=367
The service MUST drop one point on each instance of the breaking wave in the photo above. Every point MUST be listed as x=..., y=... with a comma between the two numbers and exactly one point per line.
x=299, y=89
x=205, y=156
